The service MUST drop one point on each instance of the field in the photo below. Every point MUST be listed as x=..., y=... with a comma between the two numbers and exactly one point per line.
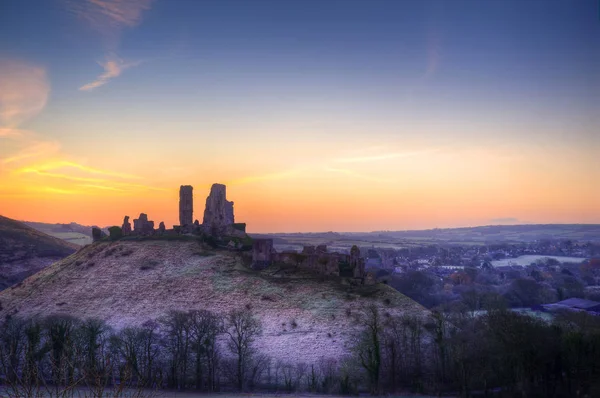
x=528, y=259
x=343, y=241
x=74, y=233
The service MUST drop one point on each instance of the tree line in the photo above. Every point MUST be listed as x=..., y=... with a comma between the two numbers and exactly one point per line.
x=500, y=353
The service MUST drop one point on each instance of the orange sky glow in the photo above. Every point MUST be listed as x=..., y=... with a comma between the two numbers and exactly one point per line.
x=441, y=135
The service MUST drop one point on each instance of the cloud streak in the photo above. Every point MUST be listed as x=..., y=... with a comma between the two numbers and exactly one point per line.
x=33, y=150
x=383, y=156
x=265, y=177
x=99, y=179
x=109, y=18
x=104, y=14
x=354, y=174
x=113, y=67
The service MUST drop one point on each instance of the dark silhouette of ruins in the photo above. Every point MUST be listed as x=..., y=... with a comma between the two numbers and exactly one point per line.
x=218, y=217
x=219, y=223
x=186, y=206
x=218, y=212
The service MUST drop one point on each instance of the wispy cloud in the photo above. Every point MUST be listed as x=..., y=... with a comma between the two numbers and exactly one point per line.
x=361, y=176
x=94, y=178
x=383, y=156
x=106, y=14
x=30, y=170
x=33, y=149
x=101, y=187
x=24, y=92
x=59, y=190
x=113, y=67
x=64, y=163
x=109, y=18
x=264, y=177
x=31, y=163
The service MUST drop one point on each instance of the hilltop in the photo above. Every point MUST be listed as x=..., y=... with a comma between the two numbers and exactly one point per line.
x=305, y=315
x=24, y=251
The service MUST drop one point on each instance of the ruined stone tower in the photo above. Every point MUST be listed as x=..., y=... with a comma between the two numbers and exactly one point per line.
x=186, y=205
x=219, y=211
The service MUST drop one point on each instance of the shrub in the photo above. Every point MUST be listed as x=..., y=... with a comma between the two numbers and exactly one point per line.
x=97, y=234
x=115, y=232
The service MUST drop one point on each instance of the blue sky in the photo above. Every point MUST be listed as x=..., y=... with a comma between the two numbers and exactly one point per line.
x=212, y=79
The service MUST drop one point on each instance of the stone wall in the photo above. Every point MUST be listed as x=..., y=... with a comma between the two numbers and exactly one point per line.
x=143, y=226
x=320, y=261
x=262, y=253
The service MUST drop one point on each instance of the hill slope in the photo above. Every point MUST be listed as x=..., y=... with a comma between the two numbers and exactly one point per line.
x=24, y=251
x=304, y=316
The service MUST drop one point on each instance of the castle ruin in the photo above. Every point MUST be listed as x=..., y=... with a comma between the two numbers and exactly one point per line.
x=218, y=217
x=218, y=212
x=219, y=222
x=317, y=260
x=186, y=206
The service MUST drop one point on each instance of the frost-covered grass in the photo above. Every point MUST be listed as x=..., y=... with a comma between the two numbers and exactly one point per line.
x=304, y=316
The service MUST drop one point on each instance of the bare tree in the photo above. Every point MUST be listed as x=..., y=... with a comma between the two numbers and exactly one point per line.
x=242, y=329
x=204, y=328
x=368, y=347
x=177, y=325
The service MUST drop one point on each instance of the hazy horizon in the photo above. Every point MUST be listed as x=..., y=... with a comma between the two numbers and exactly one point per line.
x=318, y=116
x=352, y=232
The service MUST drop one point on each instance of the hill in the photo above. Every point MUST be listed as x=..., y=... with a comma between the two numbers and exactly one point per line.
x=305, y=316
x=24, y=251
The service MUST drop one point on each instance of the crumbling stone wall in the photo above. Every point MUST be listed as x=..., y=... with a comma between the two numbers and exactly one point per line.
x=320, y=261
x=142, y=226
x=262, y=250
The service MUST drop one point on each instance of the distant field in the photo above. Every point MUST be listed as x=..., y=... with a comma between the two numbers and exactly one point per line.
x=472, y=236
x=528, y=259
x=73, y=233
x=73, y=237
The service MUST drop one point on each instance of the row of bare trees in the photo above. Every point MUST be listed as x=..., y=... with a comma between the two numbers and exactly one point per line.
x=500, y=353
x=61, y=356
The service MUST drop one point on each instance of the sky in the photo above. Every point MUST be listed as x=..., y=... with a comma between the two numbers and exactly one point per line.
x=317, y=115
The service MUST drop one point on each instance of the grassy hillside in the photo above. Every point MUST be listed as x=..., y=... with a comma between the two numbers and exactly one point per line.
x=304, y=315
x=24, y=251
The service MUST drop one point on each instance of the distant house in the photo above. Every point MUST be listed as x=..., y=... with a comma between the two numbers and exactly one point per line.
x=574, y=304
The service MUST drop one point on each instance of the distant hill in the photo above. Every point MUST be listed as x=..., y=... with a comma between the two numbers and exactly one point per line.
x=504, y=233
x=482, y=235
x=24, y=251
x=72, y=232
x=305, y=316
